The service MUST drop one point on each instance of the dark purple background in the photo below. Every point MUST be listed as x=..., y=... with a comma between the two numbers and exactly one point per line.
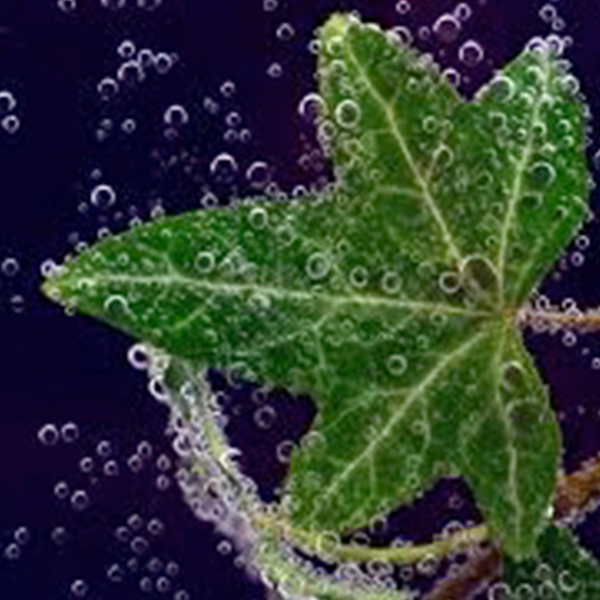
x=58, y=369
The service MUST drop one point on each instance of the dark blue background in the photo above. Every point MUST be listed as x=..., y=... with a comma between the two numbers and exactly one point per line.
x=55, y=368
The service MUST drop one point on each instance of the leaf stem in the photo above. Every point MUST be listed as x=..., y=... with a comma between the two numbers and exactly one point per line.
x=542, y=320
x=327, y=545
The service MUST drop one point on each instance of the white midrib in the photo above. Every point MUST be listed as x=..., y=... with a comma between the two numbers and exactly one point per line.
x=238, y=289
x=422, y=183
x=518, y=186
x=414, y=395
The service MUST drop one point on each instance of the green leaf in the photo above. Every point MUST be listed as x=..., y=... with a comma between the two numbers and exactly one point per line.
x=391, y=298
x=563, y=570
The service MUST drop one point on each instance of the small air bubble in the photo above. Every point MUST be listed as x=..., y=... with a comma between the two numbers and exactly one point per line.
x=285, y=32
x=163, y=585
x=347, y=114
x=403, y=7
x=176, y=115
x=162, y=483
x=163, y=463
x=104, y=449
x=155, y=527
x=103, y=196
x=270, y=5
x=146, y=585
x=463, y=11
x=126, y=49
x=163, y=63
x=12, y=552
x=79, y=588
x=275, y=70
x=69, y=432
x=172, y=569
x=144, y=449
x=22, y=536
x=108, y=88
x=284, y=451
x=11, y=124
x=471, y=53
x=139, y=545
x=258, y=174
x=311, y=106
x=265, y=416
x=317, y=266
x=135, y=463
x=80, y=500
x=111, y=468
x=48, y=435
x=61, y=490
x=115, y=573
x=59, y=536
x=447, y=28
x=86, y=464
x=227, y=89
x=396, y=364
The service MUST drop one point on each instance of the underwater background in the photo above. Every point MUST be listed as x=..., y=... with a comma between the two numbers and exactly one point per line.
x=113, y=110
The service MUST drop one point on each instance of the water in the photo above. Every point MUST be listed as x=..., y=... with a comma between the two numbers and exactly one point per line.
x=112, y=108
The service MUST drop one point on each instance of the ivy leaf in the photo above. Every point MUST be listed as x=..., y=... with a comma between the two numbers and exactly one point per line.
x=563, y=570
x=392, y=297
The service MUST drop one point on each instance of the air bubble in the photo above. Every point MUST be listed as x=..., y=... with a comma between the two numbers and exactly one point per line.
x=103, y=196
x=59, y=536
x=311, y=107
x=224, y=167
x=139, y=545
x=285, y=32
x=359, y=277
x=163, y=463
x=12, y=552
x=79, y=588
x=69, y=432
x=502, y=88
x=108, y=88
x=130, y=72
x=162, y=483
x=265, y=416
x=172, y=569
x=67, y=6
x=61, y=490
x=284, y=451
x=402, y=35
x=317, y=266
x=163, y=63
x=144, y=449
x=391, y=282
x=258, y=217
x=541, y=175
x=11, y=124
x=396, y=364
x=347, y=114
x=275, y=70
x=80, y=500
x=270, y=5
x=403, y=7
x=471, y=53
x=104, y=448
x=135, y=522
x=116, y=306
x=163, y=585
x=126, y=49
x=135, y=463
x=22, y=536
x=48, y=435
x=146, y=585
x=155, y=527
x=447, y=28
x=181, y=595
x=176, y=115
x=463, y=11
x=86, y=464
x=111, y=468
x=258, y=174
x=115, y=573
x=547, y=13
